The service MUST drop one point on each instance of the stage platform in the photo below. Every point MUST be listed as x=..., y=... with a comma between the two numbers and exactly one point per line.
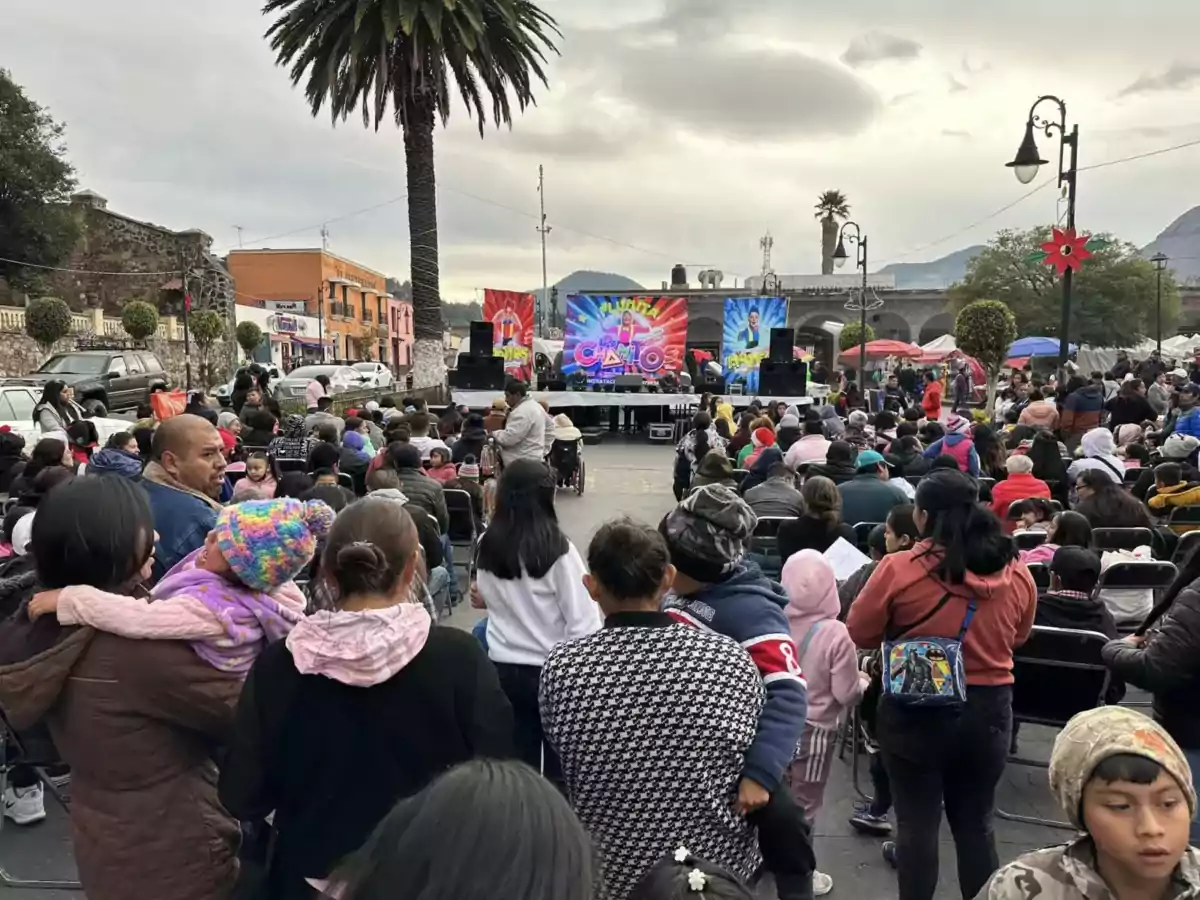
x=568, y=399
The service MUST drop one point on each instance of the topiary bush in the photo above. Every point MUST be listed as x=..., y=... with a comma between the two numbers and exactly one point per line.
x=985, y=330
x=850, y=336
x=139, y=319
x=47, y=321
x=249, y=336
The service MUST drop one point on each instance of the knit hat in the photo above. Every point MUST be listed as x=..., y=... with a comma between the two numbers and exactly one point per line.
x=469, y=468
x=268, y=542
x=707, y=533
x=1093, y=736
x=762, y=437
x=789, y=421
x=957, y=425
x=857, y=419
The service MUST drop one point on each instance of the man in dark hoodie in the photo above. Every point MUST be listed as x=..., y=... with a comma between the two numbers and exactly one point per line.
x=1082, y=410
x=471, y=441
x=707, y=536
x=839, y=463
x=1070, y=603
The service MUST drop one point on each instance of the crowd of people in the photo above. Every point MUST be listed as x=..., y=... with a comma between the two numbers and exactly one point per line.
x=223, y=629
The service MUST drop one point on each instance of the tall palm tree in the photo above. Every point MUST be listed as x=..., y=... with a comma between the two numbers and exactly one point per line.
x=831, y=206
x=410, y=54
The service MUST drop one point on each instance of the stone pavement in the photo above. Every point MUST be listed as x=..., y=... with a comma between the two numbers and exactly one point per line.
x=635, y=480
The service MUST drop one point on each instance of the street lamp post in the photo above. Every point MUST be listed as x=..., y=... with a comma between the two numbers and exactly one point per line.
x=1025, y=166
x=1160, y=261
x=862, y=307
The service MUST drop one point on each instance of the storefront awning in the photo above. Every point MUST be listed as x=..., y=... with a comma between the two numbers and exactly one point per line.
x=307, y=342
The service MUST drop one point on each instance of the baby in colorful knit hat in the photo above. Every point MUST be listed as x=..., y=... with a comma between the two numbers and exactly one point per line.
x=230, y=598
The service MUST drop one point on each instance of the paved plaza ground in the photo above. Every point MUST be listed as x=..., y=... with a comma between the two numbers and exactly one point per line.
x=635, y=480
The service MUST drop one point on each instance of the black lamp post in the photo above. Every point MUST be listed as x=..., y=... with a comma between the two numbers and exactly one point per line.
x=1160, y=262
x=1025, y=166
x=862, y=307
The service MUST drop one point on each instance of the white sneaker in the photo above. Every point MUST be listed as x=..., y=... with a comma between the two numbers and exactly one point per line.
x=822, y=884
x=25, y=805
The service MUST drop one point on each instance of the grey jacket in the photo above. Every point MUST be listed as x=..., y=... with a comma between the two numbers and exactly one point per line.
x=1159, y=396
x=425, y=492
x=775, y=497
x=524, y=434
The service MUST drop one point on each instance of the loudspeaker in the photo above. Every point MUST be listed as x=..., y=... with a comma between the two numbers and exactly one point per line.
x=781, y=345
x=482, y=338
x=478, y=373
x=628, y=384
x=777, y=379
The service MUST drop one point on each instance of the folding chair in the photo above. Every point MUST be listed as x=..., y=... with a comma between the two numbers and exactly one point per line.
x=739, y=475
x=914, y=480
x=1070, y=661
x=1186, y=546
x=461, y=528
x=12, y=752
x=1132, y=475
x=1133, y=575
x=862, y=533
x=764, y=543
x=1121, y=538
x=986, y=483
x=283, y=465
x=1184, y=519
x=1027, y=540
x=1041, y=576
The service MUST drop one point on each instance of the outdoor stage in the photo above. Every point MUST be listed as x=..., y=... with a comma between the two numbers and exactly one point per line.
x=567, y=399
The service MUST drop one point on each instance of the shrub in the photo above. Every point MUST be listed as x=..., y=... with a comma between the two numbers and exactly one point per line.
x=139, y=319
x=249, y=336
x=850, y=336
x=47, y=320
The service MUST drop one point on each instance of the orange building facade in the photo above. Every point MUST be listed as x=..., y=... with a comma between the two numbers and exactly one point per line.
x=350, y=300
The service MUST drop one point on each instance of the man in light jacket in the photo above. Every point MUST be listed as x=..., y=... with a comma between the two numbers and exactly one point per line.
x=524, y=433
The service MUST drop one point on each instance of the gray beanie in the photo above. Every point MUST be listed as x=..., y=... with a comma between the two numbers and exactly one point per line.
x=708, y=532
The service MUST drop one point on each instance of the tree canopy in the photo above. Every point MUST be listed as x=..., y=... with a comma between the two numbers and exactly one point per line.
x=139, y=319
x=1113, y=298
x=851, y=336
x=36, y=182
x=985, y=330
x=249, y=336
x=832, y=205
x=47, y=320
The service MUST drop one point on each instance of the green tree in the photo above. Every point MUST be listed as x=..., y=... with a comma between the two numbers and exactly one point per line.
x=851, y=336
x=249, y=336
x=47, y=321
x=36, y=181
x=831, y=206
x=985, y=330
x=364, y=55
x=139, y=319
x=207, y=327
x=1113, y=300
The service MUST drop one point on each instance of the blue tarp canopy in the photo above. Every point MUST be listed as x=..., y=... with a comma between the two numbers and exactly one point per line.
x=1035, y=346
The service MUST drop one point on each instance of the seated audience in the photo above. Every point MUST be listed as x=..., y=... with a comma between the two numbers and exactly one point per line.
x=759, y=469
x=839, y=464
x=440, y=468
x=1068, y=529
x=715, y=468
x=258, y=483
x=1071, y=600
x=789, y=430
x=120, y=456
x=777, y=496
x=1099, y=455
x=46, y=453
x=811, y=448
x=821, y=522
x=1130, y=406
x=293, y=484
x=293, y=441
x=991, y=452
x=471, y=441
x=12, y=456
x=958, y=444
x=1170, y=489
x=420, y=489
x=323, y=416
x=909, y=456
x=1040, y=413
x=1031, y=514
x=869, y=497
x=762, y=435
x=260, y=428
x=1019, y=485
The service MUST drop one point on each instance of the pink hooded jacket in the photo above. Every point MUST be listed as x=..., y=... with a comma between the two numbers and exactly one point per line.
x=830, y=664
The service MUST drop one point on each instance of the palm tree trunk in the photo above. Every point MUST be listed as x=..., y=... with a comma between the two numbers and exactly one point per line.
x=429, y=364
x=829, y=233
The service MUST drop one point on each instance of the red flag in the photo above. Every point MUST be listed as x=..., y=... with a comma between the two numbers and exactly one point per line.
x=187, y=302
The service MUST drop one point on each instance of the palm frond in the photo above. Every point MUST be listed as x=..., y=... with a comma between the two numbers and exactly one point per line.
x=832, y=205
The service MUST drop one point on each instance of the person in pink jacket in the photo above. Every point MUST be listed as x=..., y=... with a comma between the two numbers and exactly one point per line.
x=829, y=662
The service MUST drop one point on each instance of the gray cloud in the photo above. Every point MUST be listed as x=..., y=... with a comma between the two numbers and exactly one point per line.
x=1178, y=76
x=878, y=46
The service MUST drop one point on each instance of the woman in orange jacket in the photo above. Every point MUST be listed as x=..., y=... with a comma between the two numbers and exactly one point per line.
x=931, y=402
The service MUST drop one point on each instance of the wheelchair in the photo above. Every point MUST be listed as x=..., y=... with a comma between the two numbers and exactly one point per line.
x=566, y=462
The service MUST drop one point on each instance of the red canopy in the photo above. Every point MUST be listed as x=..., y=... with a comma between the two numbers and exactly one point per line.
x=882, y=349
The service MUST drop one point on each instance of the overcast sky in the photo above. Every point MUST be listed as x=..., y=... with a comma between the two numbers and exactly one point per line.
x=676, y=132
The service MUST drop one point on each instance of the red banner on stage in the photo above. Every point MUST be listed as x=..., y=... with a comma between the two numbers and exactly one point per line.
x=511, y=315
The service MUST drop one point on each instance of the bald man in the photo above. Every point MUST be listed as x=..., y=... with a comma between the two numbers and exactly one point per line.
x=183, y=480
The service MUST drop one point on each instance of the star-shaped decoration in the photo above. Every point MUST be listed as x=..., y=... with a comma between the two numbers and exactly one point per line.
x=1066, y=250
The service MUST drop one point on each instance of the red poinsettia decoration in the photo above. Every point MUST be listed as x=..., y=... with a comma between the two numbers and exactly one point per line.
x=1066, y=250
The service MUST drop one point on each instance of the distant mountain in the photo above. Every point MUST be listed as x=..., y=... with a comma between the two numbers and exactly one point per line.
x=1181, y=243
x=936, y=275
x=585, y=281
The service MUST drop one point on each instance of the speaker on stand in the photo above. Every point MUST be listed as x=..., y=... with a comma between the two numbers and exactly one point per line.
x=482, y=339
x=782, y=340
x=787, y=379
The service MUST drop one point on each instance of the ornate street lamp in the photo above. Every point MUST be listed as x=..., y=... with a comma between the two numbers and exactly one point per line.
x=1160, y=261
x=861, y=307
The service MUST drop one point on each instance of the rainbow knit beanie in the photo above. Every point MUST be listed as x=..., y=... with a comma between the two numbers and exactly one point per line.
x=267, y=543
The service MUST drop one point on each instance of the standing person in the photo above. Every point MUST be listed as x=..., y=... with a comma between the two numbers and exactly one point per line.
x=962, y=579
x=962, y=390
x=54, y=412
x=292, y=442
x=1163, y=657
x=956, y=443
x=530, y=579
x=707, y=536
x=653, y=668
x=692, y=449
x=1126, y=786
x=834, y=682
x=317, y=388
x=136, y=720
x=931, y=400
x=1083, y=408
x=1130, y=407
x=1040, y=412
x=372, y=681
x=1158, y=394
x=524, y=432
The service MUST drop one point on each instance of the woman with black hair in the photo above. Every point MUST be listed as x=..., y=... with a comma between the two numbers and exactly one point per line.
x=961, y=580
x=47, y=452
x=363, y=705
x=12, y=457
x=693, y=448
x=136, y=720
x=992, y=455
x=530, y=579
x=54, y=412
x=1163, y=657
x=1048, y=464
x=243, y=383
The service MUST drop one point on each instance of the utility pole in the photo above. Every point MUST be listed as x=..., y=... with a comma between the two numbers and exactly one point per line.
x=543, y=230
x=321, y=317
x=1160, y=261
x=238, y=228
x=324, y=238
x=187, y=308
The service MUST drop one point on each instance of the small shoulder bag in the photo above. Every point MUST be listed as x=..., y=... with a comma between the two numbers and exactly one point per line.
x=926, y=671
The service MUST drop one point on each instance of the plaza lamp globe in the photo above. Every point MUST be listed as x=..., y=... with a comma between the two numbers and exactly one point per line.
x=1026, y=163
x=839, y=255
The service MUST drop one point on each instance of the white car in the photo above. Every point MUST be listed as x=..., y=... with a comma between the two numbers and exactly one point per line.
x=16, y=411
x=375, y=375
x=224, y=392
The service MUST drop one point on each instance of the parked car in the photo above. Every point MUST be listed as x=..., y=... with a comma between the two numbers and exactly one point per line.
x=103, y=380
x=16, y=413
x=377, y=375
x=224, y=392
x=293, y=385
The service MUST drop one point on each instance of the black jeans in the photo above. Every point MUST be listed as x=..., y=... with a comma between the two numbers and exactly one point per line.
x=955, y=756
x=521, y=684
x=785, y=839
x=881, y=786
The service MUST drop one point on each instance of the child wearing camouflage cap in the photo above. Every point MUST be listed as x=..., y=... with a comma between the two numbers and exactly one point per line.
x=1125, y=783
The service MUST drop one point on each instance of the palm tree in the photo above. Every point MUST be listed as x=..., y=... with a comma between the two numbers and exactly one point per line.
x=831, y=206
x=411, y=54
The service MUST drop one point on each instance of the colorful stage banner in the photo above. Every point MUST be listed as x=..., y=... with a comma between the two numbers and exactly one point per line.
x=611, y=336
x=511, y=315
x=746, y=338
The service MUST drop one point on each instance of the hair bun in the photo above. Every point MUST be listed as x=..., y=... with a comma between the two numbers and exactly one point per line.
x=361, y=557
x=318, y=516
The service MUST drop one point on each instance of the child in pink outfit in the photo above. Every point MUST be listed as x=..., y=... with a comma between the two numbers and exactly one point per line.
x=440, y=468
x=230, y=598
x=829, y=662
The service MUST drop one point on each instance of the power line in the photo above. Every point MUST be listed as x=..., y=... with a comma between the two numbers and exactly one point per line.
x=30, y=265
x=1137, y=156
x=324, y=222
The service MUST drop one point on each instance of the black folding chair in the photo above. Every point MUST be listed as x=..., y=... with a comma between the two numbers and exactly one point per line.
x=1134, y=575
x=739, y=475
x=461, y=528
x=1121, y=538
x=764, y=543
x=1184, y=519
x=1070, y=661
x=1027, y=540
x=862, y=534
x=1132, y=475
x=914, y=480
x=1187, y=544
x=283, y=465
x=986, y=484
x=1041, y=576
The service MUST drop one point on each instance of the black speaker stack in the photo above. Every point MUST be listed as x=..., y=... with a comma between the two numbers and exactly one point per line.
x=781, y=345
x=779, y=375
x=479, y=370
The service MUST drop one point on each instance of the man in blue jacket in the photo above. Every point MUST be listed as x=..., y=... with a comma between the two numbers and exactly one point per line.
x=715, y=589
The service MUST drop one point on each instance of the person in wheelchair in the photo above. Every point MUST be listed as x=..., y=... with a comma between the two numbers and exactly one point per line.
x=566, y=450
